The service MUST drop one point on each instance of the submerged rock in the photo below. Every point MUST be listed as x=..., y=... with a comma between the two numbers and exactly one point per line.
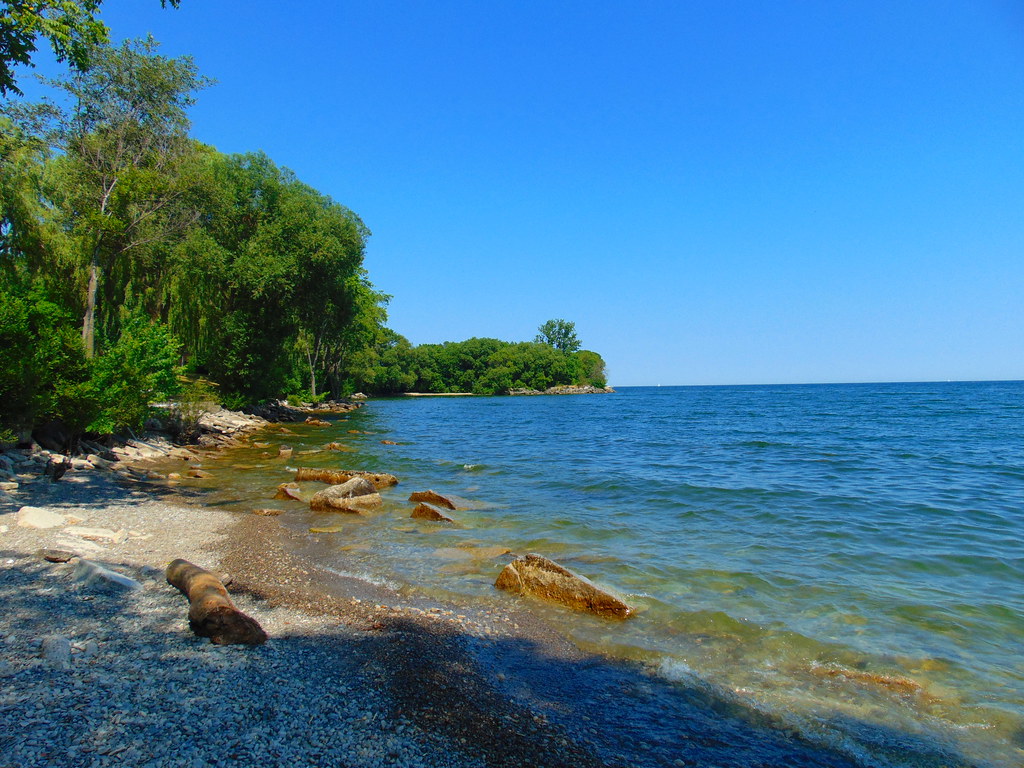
x=535, y=575
x=446, y=500
x=425, y=511
x=356, y=495
x=288, y=491
x=284, y=452
x=338, y=476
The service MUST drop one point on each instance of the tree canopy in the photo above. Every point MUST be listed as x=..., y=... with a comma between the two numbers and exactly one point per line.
x=71, y=27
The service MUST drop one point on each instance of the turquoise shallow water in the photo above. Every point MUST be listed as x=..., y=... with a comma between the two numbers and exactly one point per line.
x=828, y=553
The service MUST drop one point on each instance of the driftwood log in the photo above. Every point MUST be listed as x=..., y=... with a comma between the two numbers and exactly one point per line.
x=211, y=613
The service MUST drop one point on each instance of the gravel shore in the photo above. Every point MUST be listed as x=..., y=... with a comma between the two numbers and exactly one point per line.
x=93, y=673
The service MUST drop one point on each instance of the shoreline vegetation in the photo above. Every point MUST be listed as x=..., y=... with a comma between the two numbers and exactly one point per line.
x=138, y=264
x=358, y=672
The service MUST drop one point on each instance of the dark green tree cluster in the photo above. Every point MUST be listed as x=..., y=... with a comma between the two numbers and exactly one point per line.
x=481, y=366
x=130, y=253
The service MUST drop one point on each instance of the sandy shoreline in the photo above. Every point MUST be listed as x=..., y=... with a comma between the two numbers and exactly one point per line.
x=352, y=674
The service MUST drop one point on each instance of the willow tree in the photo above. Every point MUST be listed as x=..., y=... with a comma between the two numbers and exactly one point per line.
x=124, y=146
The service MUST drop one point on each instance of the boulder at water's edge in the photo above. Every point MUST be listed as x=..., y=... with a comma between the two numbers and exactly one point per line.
x=538, y=576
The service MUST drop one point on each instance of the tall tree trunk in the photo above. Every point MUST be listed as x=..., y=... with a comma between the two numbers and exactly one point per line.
x=89, y=321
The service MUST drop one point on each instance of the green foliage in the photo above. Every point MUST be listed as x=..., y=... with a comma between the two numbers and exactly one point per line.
x=560, y=334
x=480, y=366
x=70, y=26
x=197, y=398
x=43, y=371
x=137, y=369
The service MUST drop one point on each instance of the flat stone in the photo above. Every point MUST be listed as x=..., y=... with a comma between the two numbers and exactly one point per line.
x=199, y=473
x=80, y=463
x=536, y=575
x=425, y=511
x=98, y=462
x=56, y=651
x=98, y=534
x=95, y=575
x=56, y=555
x=37, y=517
x=267, y=512
x=8, y=485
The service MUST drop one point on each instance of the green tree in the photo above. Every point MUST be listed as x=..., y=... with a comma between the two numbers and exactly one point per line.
x=560, y=334
x=117, y=184
x=70, y=26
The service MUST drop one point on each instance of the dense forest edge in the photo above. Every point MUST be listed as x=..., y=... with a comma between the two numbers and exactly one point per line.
x=138, y=265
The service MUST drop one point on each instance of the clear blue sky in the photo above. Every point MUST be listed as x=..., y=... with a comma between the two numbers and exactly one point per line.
x=715, y=192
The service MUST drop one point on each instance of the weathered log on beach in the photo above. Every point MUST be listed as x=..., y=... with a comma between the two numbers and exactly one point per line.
x=339, y=476
x=425, y=511
x=211, y=613
x=356, y=495
x=446, y=500
x=538, y=576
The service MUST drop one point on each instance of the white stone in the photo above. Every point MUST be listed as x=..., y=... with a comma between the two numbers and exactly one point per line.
x=93, y=574
x=37, y=517
x=79, y=463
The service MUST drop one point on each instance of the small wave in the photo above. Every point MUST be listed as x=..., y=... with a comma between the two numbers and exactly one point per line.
x=377, y=581
x=473, y=467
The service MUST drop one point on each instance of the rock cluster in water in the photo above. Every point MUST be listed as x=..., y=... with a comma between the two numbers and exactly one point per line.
x=564, y=389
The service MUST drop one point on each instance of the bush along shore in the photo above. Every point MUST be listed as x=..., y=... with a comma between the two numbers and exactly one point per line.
x=331, y=670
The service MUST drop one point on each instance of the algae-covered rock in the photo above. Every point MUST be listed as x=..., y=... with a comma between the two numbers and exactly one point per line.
x=338, y=476
x=356, y=495
x=425, y=511
x=446, y=500
x=536, y=575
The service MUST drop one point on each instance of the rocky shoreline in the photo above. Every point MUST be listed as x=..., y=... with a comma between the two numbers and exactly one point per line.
x=103, y=670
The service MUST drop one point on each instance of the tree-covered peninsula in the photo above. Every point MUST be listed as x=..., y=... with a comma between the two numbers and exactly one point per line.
x=138, y=264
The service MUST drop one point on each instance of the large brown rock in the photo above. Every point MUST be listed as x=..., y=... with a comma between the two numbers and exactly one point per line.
x=446, y=500
x=546, y=579
x=356, y=495
x=426, y=511
x=338, y=476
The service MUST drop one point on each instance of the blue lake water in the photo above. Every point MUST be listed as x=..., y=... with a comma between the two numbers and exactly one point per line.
x=824, y=552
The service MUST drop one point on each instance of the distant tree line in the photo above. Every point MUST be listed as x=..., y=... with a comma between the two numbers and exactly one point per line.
x=481, y=366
